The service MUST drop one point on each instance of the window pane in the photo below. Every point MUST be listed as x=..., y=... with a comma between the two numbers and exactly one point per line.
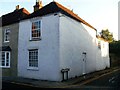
x=7, y=35
x=33, y=58
x=33, y=26
x=7, y=64
x=3, y=58
x=36, y=29
x=36, y=25
x=5, y=61
x=39, y=24
x=99, y=44
x=7, y=55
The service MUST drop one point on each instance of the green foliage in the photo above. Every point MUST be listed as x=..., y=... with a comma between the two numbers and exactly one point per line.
x=105, y=34
x=114, y=47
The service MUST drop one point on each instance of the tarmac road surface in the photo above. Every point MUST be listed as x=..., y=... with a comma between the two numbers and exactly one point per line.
x=110, y=81
x=107, y=81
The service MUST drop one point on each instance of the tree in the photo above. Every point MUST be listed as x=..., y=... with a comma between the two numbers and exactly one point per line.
x=108, y=36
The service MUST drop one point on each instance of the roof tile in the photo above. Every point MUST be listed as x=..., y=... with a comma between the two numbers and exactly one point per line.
x=14, y=16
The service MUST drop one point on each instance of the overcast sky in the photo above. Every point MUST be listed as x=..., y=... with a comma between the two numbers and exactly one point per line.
x=101, y=14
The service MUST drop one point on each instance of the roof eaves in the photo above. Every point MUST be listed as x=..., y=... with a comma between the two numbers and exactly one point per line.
x=73, y=15
x=54, y=7
x=25, y=11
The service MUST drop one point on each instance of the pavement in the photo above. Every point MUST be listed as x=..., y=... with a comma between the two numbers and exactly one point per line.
x=53, y=84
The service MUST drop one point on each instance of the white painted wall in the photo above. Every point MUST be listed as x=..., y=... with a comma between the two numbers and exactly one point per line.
x=74, y=40
x=63, y=42
x=103, y=55
x=48, y=49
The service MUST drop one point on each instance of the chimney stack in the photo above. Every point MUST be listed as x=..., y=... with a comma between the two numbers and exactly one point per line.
x=38, y=5
x=17, y=7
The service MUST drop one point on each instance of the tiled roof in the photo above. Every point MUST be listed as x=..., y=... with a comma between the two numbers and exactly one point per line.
x=14, y=16
x=54, y=7
x=100, y=38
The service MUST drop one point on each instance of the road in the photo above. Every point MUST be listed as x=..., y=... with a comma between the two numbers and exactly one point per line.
x=13, y=86
x=112, y=81
x=109, y=81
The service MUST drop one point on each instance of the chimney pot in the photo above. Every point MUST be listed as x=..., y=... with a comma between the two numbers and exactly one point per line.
x=17, y=7
x=38, y=5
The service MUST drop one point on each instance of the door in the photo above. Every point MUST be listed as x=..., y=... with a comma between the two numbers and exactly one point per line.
x=84, y=63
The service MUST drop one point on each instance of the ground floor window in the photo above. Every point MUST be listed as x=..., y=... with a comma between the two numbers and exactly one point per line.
x=5, y=59
x=33, y=58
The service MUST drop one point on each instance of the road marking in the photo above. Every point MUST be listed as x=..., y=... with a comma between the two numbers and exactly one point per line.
x=111, y=79
x=90, y=80
x=98, y=77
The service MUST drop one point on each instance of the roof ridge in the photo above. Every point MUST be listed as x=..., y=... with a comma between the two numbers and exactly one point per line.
x=14, y=16
x=23, y=9
x=11, y=12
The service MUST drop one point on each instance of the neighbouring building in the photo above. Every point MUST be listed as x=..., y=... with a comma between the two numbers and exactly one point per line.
x=54, y=42
x=9, y=31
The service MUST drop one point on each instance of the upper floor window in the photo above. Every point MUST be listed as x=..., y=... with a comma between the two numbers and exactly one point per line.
x=99, y=44
x=5, y=59
x=6, y=35
x=36, y=30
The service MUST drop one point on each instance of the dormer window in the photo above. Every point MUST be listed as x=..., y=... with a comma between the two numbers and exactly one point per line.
x=36, y=30
x=7, y=35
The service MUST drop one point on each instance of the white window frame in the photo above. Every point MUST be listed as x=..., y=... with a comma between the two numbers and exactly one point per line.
x=5, y=66
x=34, y=59
x=6, y=36
x=38, y=35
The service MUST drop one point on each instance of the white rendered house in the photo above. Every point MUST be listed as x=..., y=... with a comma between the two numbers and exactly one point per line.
x=54, y=39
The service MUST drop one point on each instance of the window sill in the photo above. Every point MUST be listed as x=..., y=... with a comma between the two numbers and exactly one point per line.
x=4, y=66
x=6, y=41
x=35, y=39
x=33, y=68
